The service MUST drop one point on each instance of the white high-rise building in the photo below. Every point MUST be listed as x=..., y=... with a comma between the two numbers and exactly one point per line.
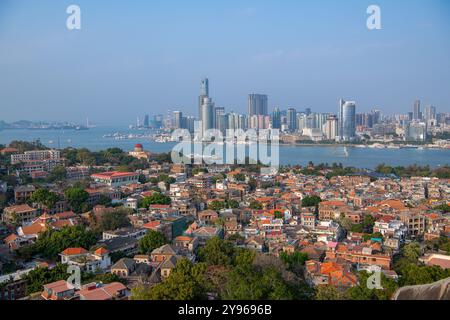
x=330, y=128
x=347, y=120
x=207, y=112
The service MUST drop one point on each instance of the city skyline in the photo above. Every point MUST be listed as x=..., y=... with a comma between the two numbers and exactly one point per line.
x=300, y=61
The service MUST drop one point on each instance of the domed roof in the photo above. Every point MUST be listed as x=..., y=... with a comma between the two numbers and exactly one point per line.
x=138, y=145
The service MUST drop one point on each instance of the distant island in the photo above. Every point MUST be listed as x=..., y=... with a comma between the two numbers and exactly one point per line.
x=41, y=125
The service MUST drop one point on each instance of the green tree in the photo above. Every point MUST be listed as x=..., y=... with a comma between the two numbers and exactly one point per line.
x=76, y=197
x=445, y=208
x=247, y=283
x=412, y=274
x=155, y=198
x=57, y=174
x=217, y=252
x=44, y=197
x=104, y=200
x=311, y=201
x=233, y=204
x=255, y=205
x=112, y=220
x=412, y=252
x=40, y=276
x=186, y=282
x=358, y=228
x=368, y=223
x=52, y=242
x=294, y=261
x=362, y=292
x=278, y=215
x=151, y=241
x=217, y=205
x=328, y=292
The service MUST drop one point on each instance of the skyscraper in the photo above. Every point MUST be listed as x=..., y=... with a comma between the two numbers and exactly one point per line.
x=430, y=113
x=177, y=122
x=347, y=120
x=204, y=93
x=146, y=121
x=376, y=116
x=300, y=122
x=207, y=114
x=276, y=118
x=189, y=123
x=257, y=104
x=330, y=128
x=292, y=119
x=416, y=110
x=219, y=119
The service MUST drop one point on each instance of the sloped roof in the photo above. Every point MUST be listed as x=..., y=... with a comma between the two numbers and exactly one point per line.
x=165, y=249
x=124, y=263
x=74, y=251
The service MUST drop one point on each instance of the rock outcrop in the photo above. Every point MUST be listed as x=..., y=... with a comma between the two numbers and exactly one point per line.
x=435, y=291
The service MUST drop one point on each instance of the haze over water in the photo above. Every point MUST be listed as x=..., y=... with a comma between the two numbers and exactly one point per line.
x=357, y=157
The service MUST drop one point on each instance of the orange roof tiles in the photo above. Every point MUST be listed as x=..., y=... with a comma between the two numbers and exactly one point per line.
x=113, y=174
x=152, y=224
x=101, y=251
x=74, y=251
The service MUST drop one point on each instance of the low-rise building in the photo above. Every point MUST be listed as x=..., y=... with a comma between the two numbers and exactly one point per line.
x=19, y=214
x=87, y=261
x=115, y=179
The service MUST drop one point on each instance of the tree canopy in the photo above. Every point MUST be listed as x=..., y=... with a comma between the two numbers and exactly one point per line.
x=52, y=242
x=155, y=198
x=45, y=197
x=185, y=282
x=76, y=197
x=151, y=241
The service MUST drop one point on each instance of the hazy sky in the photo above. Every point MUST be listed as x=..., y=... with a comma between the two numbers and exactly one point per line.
x=137, y=57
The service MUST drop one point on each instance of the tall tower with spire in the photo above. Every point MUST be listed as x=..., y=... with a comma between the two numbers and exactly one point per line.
x=204, y=93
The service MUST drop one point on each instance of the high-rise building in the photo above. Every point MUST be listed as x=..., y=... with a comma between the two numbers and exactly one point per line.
x=276, y=118
x=310, y=121
x=189, y=123
x=219, y=119
x=416, y=131
x=359, y=119
x=330, y=128
x=157, y=121
x=146, y=121
x=177, y=120
x=376, y=116
x=320, y=119
x=300, y=123
x=416, y=110
x=207, y=112
x=347, y=120
x=204, y=93
x=430, y=113
x=368, y=120
x=257, y=104
x=292, y=119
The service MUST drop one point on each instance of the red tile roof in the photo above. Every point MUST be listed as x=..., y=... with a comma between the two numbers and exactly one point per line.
x=74, y=251
x=113, y=174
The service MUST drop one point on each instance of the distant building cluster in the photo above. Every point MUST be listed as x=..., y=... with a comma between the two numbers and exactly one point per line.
x=346, y=125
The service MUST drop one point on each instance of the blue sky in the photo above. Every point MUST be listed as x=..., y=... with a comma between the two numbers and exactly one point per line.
x=137, y=57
